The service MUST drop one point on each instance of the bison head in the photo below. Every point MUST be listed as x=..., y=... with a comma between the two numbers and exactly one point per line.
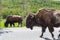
x=30, y=21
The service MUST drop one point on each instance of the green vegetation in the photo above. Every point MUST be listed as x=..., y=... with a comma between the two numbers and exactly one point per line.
x=23, y=7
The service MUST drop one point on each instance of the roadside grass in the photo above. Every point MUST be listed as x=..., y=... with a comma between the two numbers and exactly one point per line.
x=23, y=7
x=1, y=24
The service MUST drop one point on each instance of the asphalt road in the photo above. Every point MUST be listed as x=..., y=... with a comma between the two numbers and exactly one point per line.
x=27, y=34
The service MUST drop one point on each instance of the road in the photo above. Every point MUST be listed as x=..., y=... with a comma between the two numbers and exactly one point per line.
x=27, y=34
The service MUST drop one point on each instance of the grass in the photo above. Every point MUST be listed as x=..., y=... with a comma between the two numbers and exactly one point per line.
x=1, y=24
x=23, y=7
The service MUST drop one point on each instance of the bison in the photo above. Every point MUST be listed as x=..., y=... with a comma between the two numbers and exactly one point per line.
x=45, y=18
x=11, y=19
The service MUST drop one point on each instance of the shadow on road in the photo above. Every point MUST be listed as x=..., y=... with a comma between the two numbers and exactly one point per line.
x=47, y=39
x=51, y=39
x=58, y=39
x=3, y=31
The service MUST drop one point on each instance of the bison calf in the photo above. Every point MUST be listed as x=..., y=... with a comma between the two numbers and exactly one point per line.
x=11, y=19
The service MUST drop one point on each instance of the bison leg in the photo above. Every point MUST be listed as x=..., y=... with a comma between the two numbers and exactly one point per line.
x=13, y=24
x=21, y=24
x=51, y=29
x=59, y=36
x=10, y=25
x=43, y=30
x=18, y=24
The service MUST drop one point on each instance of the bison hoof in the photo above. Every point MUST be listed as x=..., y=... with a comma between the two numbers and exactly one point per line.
x=41, y=36
x=31, y=28
x=59, y=36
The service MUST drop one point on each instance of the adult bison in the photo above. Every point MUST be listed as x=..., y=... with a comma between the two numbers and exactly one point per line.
x=44, y=18
x=11, y=19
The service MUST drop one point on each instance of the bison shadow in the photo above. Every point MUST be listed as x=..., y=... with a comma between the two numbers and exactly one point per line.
x=2, y=31
x=58, y=39
x=46, y=38
x=50, y=39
